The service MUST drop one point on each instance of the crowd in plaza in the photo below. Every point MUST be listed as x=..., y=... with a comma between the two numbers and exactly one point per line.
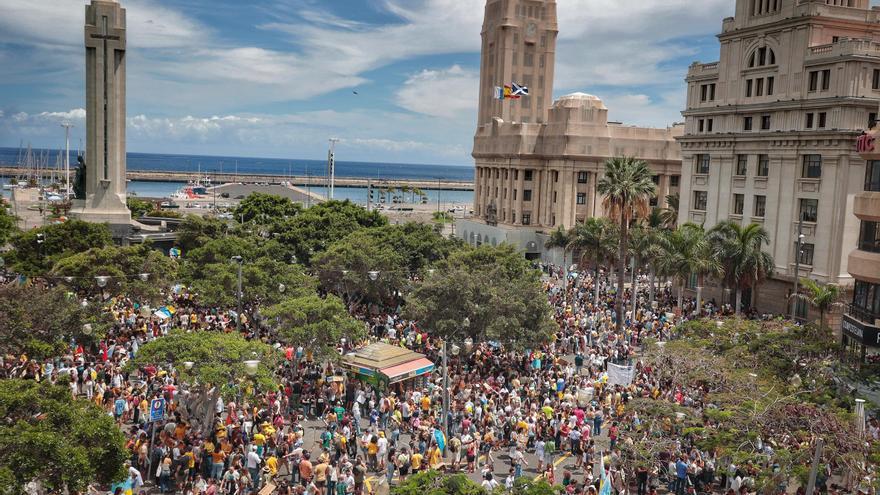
x=510, y=412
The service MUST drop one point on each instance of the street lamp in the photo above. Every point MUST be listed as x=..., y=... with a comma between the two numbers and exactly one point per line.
x=188, y=364
x=102, y=280
x=240, y=261
x=87, y=329
x=281, y=288
x=373, y=274
x=68, y=279
x=251, y=365
x=466, y=323
x=797, y=267
x=144, y=276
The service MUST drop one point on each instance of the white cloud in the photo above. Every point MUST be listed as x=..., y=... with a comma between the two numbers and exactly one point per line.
x=631, y=51
x=300, y=134
x=442, y=93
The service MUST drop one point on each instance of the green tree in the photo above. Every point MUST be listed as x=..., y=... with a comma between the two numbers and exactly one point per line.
x=560, y=238
x=436, y=483
x=137, y=271
x=36, y=251
x=49, y=437
x=8, y=224
x=198, y=230
x=643, y=249
x=363, y=267
x=484, y=293
x=627, y=189
x=417, y=243
x=264, y=282
x=670, y=212
x=315, y=228
x=265, y=208
x=40, y=322
x=315, y=323
x=595, y=239
x=139, y=207
x=210, y=365
x=824, y=297
x=686, y=251
x=745, y=262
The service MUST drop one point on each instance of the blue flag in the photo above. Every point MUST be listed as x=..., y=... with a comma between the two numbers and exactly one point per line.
x=440, y=439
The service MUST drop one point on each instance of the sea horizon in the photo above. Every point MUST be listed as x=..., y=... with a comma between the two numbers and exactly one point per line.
x=281, y=167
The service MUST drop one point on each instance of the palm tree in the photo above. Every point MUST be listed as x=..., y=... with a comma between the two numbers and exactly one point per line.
x=657, y=228
x=822, y=297
x=642, y=248
x=561, y=238
x=595, y=239
x=627, y=189
x=670, y=213
x=687, y=251
x=746, y=263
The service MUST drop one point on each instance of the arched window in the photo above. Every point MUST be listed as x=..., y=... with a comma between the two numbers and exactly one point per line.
x=762, y=56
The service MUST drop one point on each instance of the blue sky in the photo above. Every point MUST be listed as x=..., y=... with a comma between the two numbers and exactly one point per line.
x=275, y=78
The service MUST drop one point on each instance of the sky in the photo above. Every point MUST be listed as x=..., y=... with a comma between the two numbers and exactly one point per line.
x=277, y=78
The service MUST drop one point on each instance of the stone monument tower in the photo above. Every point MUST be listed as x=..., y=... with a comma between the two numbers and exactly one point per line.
x=105, y=189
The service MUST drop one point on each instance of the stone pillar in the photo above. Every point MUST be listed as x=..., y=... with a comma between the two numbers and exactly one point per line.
x=105, y=44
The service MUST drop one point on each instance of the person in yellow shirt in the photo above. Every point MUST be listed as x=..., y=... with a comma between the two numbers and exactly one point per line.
x=272, y=466
x=415, y=461
x=435, y=457
x=426, y=404
x=260, y=442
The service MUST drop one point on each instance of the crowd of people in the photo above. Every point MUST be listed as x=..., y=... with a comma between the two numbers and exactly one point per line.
x=510, y=412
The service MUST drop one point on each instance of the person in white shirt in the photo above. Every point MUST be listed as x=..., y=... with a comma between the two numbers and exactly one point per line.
x=489, y=483
x=253, y=467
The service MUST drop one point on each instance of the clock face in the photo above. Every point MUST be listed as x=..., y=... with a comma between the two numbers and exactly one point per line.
x=531, y=29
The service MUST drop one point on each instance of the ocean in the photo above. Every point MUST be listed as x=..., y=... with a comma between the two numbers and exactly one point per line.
x=274, y=166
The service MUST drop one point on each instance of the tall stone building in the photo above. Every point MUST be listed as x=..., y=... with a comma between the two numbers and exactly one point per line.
x=538, y=161
x=771, y=129
x=861, y=323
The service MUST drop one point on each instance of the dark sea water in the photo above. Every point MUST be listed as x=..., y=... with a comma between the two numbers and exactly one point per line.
x=272, y=166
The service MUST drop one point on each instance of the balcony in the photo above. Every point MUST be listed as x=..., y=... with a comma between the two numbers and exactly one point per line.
x=843, y=48
x=863, y=315
x=864, y=265
x=702, y=71
x=866, y=206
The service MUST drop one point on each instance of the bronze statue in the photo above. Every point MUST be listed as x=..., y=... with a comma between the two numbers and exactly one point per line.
x=79, y=180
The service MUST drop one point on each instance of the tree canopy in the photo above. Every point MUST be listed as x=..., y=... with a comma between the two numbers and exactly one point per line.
x=346, y=268
x=49, y=437
x=211, y=365
x=265, y=208
x=484, y=293
x=315, y=323
x=36, y=251
x=314, y=229
x=124, y=265
x=40, y=322
x=8, y=224
x=264, y=281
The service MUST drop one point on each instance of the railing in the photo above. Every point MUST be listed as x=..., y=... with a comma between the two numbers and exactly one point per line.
x=863, y=315
x=818, y=50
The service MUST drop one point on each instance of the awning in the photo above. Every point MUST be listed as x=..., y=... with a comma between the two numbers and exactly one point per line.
x=408, y=370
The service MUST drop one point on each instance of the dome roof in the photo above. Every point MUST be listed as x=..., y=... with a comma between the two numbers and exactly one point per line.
x=580, y=96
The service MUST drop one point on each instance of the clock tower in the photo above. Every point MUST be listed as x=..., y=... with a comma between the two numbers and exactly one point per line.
x=519, y=46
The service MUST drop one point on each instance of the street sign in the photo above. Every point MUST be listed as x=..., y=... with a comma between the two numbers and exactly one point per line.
x=157, y=409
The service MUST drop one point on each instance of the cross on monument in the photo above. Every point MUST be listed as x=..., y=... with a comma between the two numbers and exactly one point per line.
x=108, y=43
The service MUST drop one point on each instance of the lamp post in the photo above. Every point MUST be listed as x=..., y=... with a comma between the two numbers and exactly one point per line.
x=797, y=268
x=466, y=323
x=240, y=261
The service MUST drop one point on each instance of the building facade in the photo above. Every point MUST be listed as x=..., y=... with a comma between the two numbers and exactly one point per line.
x=538, y=161
x=771, y=130
x=861, y=323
